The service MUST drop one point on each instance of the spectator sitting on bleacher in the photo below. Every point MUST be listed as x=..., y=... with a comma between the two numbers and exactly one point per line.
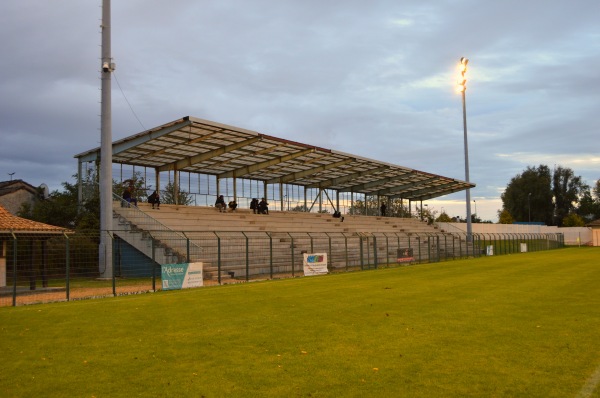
x=263, y=207
x=128, y=195
x=154, y=199
x=254, y=205
x=232, y=205
x=337, y=214
x=220, y=204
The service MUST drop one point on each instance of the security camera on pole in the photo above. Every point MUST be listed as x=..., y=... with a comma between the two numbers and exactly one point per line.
x=462, y=87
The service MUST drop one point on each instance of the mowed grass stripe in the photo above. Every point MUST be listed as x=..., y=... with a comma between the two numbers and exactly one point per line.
x=515, y=325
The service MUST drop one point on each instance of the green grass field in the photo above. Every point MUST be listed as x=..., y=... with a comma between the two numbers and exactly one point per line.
x=524, y=325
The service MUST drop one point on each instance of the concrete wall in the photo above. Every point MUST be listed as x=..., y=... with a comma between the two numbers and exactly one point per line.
x=573, y=235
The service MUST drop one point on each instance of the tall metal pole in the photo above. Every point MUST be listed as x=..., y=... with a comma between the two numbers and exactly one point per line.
x=469, y=227
x=105, y=249
x=464, y=62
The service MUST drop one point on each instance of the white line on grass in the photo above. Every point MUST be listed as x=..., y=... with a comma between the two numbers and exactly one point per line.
x=590, y=384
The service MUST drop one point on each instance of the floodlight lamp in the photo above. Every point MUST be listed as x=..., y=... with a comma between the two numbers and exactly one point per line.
x=464, y=61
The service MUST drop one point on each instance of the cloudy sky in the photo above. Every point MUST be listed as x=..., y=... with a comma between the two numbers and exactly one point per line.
x=371, y=78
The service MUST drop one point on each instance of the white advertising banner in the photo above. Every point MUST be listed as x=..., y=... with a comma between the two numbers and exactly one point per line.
x=490, y=250
x=315, y=264
x=523, y=247
x=181, y=276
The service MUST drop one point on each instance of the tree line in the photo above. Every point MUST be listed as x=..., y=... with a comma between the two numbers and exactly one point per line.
x=554, y=197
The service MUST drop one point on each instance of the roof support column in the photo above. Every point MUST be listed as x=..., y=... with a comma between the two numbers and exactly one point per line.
x=305, y=201
x=235, y=188
x=281, y=195
x=402, y=207
x=79, y=187
x=320, y=200
x=387, y=204
x=351, y=202
x=265, y=191
x=337, y=200
x=157, y=179
x=176, y=186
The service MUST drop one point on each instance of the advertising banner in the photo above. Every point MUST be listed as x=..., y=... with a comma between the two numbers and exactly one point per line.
x=181, y=276
x=405, y=255
x=490, y=250
x=315, y=264
x=523, y=247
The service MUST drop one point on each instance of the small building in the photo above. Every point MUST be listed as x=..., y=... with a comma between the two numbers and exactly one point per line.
x=13, y=228
x=16, y=192
x=595, y=226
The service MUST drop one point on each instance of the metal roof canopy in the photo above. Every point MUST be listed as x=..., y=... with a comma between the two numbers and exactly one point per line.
x=200, y=146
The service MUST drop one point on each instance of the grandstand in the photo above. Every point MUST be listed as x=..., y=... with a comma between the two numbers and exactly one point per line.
x=247, y=164
x=245, y=245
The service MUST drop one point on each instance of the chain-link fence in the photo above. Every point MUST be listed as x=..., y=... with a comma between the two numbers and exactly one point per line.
x=37, y=268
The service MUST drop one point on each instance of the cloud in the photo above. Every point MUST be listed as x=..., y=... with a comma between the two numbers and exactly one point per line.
x=373, y=79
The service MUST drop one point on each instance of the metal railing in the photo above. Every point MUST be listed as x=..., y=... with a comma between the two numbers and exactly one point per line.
x=41, y=268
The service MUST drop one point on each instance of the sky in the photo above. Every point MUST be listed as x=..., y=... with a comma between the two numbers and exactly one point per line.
x=375, y=79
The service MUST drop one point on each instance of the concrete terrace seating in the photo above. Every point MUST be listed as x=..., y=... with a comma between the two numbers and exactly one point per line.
x=199, y=218
x=247, y=236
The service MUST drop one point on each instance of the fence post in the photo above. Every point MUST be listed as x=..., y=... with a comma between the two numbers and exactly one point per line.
x=362, y=253
x=387, y=250
x=375, y=250
x=346, y=249
x=247, y=257
x=67, y=266
x=292, y=247
x=112, y=264
x=218, y=258
x=330, y=259
x=270, y=254
x=153, y=248
x=429, y=248
x=15, y=247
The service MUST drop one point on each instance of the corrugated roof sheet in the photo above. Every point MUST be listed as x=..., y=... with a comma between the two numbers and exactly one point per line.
x=200, y=146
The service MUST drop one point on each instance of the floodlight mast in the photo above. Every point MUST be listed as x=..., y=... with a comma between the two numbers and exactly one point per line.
x=462, y=87
x=105, y=262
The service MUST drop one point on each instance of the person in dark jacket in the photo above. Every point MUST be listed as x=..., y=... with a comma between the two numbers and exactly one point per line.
x=263, y=207
x=254, y=205
x=220, y=204
x=154, y=199
x=129, y=197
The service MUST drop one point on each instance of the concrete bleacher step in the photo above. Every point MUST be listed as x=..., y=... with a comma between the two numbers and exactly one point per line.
x=203, y=224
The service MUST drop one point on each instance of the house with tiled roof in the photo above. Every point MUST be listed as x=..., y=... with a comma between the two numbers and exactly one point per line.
x=16, y=192
x=13, y=227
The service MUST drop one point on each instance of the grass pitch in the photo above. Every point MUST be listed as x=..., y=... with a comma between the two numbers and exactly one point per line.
x=516, y=325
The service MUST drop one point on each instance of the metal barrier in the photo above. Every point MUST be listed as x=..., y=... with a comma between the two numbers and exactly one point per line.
x=42, y=268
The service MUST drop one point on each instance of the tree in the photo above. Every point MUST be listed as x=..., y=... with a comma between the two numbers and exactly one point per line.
x=169, y=195
x=443, y=218
x=504, y=217
x=566, y=188
x=573, y=220
x=589, y=208
x=530, y=191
